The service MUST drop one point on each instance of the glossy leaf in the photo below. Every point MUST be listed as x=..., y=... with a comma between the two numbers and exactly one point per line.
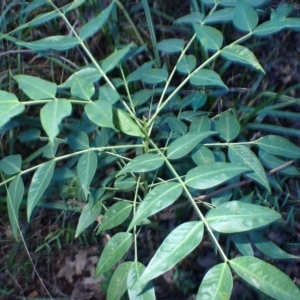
x=87, y=74
x=125, y=183
x=36, y=88
x=278, y=145
x=86, y=168
x=137, y=74
x=39, y=184
x=87, y=217
x=209, y=37
x=207, y=78
x=242, y=243
x=138, y=292
x=245, y=17
x=52, y=114
x=227, y=126
x=14, y=197
x=113, y=251
x=185, y=144
x=186, y=64
x=219, y=16
x=9, y=107
x=57, y=42
x=118, y=282
x=242, y=155
x=241, y=54
x=11, y=164
x=177, y=125
x=96, y=23
x=171, y=45
x=236, y=216
x=81, y=88
x=100, y=113
x=156, y=200
x=126, y=124
x=210, y=175
x=143, y=163
x=265, y=277
x=115, y=216
x=194, y=17
x=154, y=76
x=203, y=156
x=217, y=284
x=269, y=248
x=177, y=245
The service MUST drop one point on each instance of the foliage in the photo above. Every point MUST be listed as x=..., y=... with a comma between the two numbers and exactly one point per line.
x=162, y=148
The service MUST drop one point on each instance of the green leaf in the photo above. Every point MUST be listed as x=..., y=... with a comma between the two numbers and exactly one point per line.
x=236, y=216
x=177, y=125
x=183, y=145
x=170, y=45
x=142, y=96
x=177, y=245
x=86, y=168
x=207, y=78
x=137, y=74
x=52, y=114
x=242, y=55
x=278, y=145
x=245, y=17
x=154, y=76
x=135, y=292
x=81, y=88
x=265, y=277
x=100, y=113
x=200, y=124
x=269, y=27
x=113, y=60
x=14, y=197
x=115, y=216
x=209, y=37
x=282, y=11
x=29, y=135
x=143, y=163
x=57, y=42
x=217, y=284
x=11, y=164
x=227, y=126
x=43, y=18
x=96, y=23
x=118, y=282
x=108, y=94
x=210, y=175
x=243, y=156
x=125, y=183
x=87, y=217
x=156, y=200
x=203, y=156
x=194, y=17
x=186, y=64
x=268, y=247
x=271, y=162
x=113, y=251
x=242, y=243
x=9, y=107
x=87, y=74
x=39, y=184
x=219, y=16
x=71, y=6
x=126, y=124
x=78, y=140
x=36, y=88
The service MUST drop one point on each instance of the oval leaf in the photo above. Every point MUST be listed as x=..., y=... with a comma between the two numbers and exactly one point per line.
x=236, y=216
x=207, y=78
x=156, y=200
x=39, y=183
x=113, y=251
x=227, y=126
x=183, y=145
x=242, y=243
x=170, y=45
x=245, y=17
x=265, y=277
x=177, y=245
x=143, y=163
x=217, y=284
x=81, y=88
x=154, y=76
x=87, y=217
x=210, y=175
x=209, y=37
x=186, y=64
x=203, y=156
x=11, y=164
x=52, y=114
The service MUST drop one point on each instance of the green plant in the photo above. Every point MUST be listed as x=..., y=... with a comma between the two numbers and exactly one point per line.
x=161, y=147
